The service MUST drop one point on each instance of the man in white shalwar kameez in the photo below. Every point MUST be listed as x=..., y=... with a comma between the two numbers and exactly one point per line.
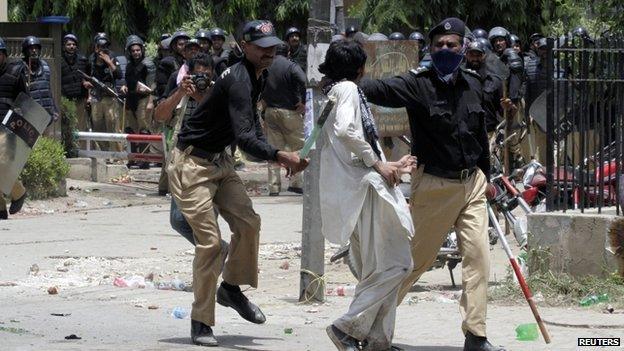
x=360, y=202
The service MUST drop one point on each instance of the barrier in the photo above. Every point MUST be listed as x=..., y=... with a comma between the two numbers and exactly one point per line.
x=128, y=139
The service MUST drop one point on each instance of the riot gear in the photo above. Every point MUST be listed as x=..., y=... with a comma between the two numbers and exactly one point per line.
x=134, y=40
x=477, y=46
x=377, y=37
x=101, y=40
x=28, y=42
x=418, y=37
x=514, y=40
x=202, y=34
x=179, y=35
x=480, y=33
x=217, y=32
x=486, y=44
x=396, y=36
x=350, y=31
x=513, y=60
x=164, y=36
x=292, y=30
x=498, y=32
x=71, y=37
x=580, y=32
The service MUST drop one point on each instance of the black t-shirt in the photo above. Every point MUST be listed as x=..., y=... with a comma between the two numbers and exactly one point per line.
x=229, y=114
x=285, y=84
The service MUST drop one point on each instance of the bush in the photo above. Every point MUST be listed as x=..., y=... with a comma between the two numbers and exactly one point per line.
x=69, y=123
x=45, y=168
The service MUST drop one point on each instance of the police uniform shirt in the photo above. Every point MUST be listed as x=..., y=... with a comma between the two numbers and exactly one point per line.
x=285, y=84
x=447, y=121
x=12, y=82
x=103, y=73
x=229, y=114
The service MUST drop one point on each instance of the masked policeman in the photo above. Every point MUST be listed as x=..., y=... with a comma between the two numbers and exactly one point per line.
x=202, y=176
x=73, y=86
x=37, y=74
x=447, y=119
x=12, y=82
x=297, y=51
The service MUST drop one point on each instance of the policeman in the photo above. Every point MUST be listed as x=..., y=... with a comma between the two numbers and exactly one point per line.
x=163, y=49
x=516, y=43
x=284, y=96
x=447, y=119
x=37, y=74
x=205, y=43
x=492, y=85
x=12, y=82
x=499, y=37
x=217, y=35
x=297, y=51
x=486, y=44
x=536, y=84
x=201, y=176
x=172, y=63
x=104, y=107
x=73, y=85
x=140, y=83
x=533, y=39
x=396, y=36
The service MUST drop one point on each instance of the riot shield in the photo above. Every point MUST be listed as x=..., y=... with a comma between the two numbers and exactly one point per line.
x=537, y=110
x=19, y=130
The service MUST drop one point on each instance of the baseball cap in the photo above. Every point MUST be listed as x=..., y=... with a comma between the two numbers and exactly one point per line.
x=261, y=33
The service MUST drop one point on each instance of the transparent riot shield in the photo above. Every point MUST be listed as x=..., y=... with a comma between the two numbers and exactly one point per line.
x=19, y=130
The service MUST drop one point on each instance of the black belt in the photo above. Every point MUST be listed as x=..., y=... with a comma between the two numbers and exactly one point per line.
x=198, y=152
x=445, y=173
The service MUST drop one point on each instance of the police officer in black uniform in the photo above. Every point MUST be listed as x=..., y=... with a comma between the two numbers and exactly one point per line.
x=170, y=64
x=202, y=177
x=447, y=119
x=217, y=35
x=12, y=82
x=38, y=75
x=297, y=51
x=73, y=85
x=205, y=43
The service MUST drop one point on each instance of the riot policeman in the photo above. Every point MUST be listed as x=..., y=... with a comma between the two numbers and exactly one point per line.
x=12, y=82
x=217, y=35
x=499, y=38
x=422, y=44
x=205, y=43
x=172, y=63
x=37, y=74
x=297, y=51
x=73, y=85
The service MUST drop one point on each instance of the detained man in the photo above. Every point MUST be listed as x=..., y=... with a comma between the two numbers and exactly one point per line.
x=360, y=202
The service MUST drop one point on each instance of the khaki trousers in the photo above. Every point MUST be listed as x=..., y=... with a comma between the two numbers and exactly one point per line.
x=17, y=192
x=284, y=129
x=104, y=114
x=197, y=185
x=139, y=119
x=436, y=205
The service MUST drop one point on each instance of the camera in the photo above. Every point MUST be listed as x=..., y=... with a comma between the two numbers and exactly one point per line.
x=201, y=81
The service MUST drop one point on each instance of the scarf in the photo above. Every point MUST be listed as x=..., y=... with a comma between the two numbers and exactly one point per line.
x=368, y=122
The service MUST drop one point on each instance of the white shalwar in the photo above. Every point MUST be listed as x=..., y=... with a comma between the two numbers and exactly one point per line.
x=357, y=204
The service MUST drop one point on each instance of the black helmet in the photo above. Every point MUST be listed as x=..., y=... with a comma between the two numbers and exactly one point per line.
x=514, y=39
x=351, y=30
x=70, y=36
x=580, y=32
x=3, y=46
x=292, y=30
x=134, y=40
x=535, y=37
x=179, y=35
x=480, y=33
x=417, y=36
x=202, y=34
x=498, y=32
x=192, y=42
x=164, y=36
x=396, y=36
x=477, y=46
x=101, y=39
x=217, y=32
x=28, y=42
x=486, y=44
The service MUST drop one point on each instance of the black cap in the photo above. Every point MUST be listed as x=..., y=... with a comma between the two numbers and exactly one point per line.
x=451, y=25
x=261, y=33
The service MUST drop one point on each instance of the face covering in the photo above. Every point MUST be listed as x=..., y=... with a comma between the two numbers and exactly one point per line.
x=446, y=62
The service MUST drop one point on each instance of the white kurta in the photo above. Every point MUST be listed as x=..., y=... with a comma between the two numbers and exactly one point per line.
x=346, y=170
x=357, y=204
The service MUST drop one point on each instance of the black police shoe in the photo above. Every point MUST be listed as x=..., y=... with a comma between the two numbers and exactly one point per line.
x=240, y=304
x=16, y=205
x=202, y=335
x=342, y=341
x=479, y=343
x=4, y=214
x=295, y=190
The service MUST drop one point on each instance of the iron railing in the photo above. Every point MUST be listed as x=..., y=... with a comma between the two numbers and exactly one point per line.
x=584, y=108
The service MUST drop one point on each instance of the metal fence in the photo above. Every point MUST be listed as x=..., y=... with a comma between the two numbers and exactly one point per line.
x=584, y=108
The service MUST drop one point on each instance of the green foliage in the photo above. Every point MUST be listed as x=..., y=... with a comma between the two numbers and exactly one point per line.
x=45, y=168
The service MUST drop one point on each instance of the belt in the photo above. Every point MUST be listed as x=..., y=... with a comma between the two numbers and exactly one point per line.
x=445, y=173
x=198, y=152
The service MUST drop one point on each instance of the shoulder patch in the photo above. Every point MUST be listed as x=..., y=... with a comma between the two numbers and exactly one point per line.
x=472, y=72
x=225, y=73
x=419, y=70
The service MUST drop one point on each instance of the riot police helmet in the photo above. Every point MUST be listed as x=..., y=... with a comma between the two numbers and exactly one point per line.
x=101, y=40
x=28, y=42
x=70, y=36
x=498, y=32
x=486, y=44
x=514, y=40
x=179, y=35
x=396, y=36
x=217, y=32
x=418, y=36
x=292, y=30
x=350, y=31
x=480, y=33
x=134, y=40
x=377, y=37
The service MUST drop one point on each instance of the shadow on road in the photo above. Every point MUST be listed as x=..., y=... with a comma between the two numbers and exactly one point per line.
x=232, y=342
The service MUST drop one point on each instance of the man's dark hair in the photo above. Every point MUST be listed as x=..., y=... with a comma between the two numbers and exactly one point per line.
x=201, y=59
x=343, y=60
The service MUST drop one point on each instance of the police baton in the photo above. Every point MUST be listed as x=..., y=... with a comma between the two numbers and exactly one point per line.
x=316, y=131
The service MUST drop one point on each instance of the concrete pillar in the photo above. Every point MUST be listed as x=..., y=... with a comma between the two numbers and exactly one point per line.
x=4, y=11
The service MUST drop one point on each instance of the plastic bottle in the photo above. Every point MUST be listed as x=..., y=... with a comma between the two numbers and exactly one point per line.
x=178, y=284
x=348, y=290
x=594, y=299
x=527, y=332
